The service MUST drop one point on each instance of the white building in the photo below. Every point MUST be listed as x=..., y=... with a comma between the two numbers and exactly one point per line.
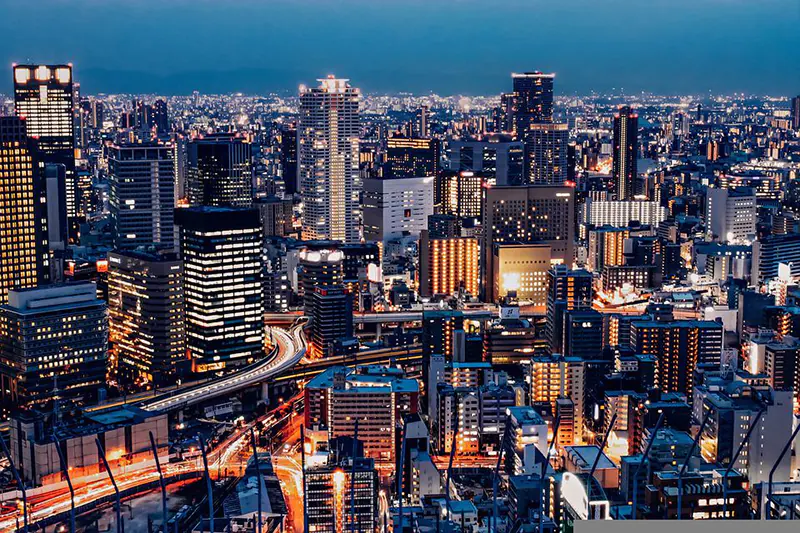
x=394, y=207
x=620, y=213
x=731, y=215
x=327, y=161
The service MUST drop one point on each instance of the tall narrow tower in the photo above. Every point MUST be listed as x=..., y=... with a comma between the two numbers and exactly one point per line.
x=327, y=153
x=626, y=139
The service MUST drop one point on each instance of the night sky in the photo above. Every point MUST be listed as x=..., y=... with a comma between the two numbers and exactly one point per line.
x=446, y=46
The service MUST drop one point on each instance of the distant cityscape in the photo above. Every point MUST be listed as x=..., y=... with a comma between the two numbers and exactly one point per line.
x=330, y=311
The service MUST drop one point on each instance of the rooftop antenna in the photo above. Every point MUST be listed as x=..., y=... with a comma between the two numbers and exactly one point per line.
x=65, y=471
x=258, y=475
x=102, y=452
x=20, y=484
x=209, y=487
x=161, y=481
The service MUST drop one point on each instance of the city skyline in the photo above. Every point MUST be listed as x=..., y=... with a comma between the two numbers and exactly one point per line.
x=724, y=46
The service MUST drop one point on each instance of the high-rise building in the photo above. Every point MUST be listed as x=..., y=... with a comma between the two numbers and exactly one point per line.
x=582, y=333
x=566, y=290
x=546, y=154
x=276, y=215
x=24, y=257
x=396, y=207
x=461, y=194
x=622, y=213
x=555, y=377
x=43, y=96
x=288, y=158
x=497, y=155
x=220, y=171
x=342, y=495
x=438, y=331
x=795, y=111
x=53, y=337
x=142, y=195
x=146, y=316
x=447, y=265
x=532, y=214
x=770, y=252
x=534, y=99
x=411, y=157
x=161, y=117
x=680, y=347
x=328, y=160
x=625, y=154
x=377, y=397
x=520, y=270
x=422, y=122
x=731, y=214
x=223, y=286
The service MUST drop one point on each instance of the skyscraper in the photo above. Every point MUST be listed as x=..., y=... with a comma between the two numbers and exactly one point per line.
x=624, y=156
x=223, y=273
x=146, y=315
x=54, y=336
x=409, y=157
x=534, y=99
x=567, y=290
x=546, y=154
x=288, y=158
x=328, y=137
x=220, y=171
x=796, y=112
x=142, y=195
x=43, y=96
x=24, y=259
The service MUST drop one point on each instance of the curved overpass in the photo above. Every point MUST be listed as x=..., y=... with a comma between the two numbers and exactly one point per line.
x=290, y=348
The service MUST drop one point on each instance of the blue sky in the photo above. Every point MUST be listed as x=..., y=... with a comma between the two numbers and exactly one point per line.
x=447, y=46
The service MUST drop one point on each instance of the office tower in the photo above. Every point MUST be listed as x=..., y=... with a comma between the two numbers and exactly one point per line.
x=782, y=365
x=142, y=116
x=533, y=98
x=497, y=155
x=520, y=271
x=583, y=334
x=566, y=290
x=461, y=194
x=219, y=171
x=606, y=247
x=438, y=330
x=378, y=397
x=680, y=347
x=288, y=158
x=142, y=195
x=447, y=265
x=342, y=495
x=770, y=252
x=43, y=96
x=731, y=214
x=795, y=111
x=53, y=337
x=532, y=214
x=325, y=298
x=78, y=121
x=223, y=286
x=396, y=207
x=161, y=117
x=732, y=412
x=93, y=111
x=411, y=157
x=546, y=154
x=327, y=154
x=625, y=154
x=23, y=210
x=56, y=217
x=146, y=316
x=276, y=215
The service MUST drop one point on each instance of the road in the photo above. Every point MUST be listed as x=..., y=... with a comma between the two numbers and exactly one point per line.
x=290, y=348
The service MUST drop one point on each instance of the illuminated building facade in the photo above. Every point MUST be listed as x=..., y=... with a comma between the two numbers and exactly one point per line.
x=411, y=157
x=220, y=171
x=731, y=215
x=606, y=248
x=276, y=215
x=24, y=258
x=625, y=153
x=223, y=286
x=533, y=99
x=142, y=195
x=378, y=397
x=555, y=377
x=532, y=214
x=43, y=96
x=447, y=265
x=546, y=154
x=680, y=348
x=146, y=316
x=521, y=270
x=495, y=156
x=438, y=328
x=328, y=160
x=566, y=290
x=462, y=194
x=619, y=214
x=53, y=336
